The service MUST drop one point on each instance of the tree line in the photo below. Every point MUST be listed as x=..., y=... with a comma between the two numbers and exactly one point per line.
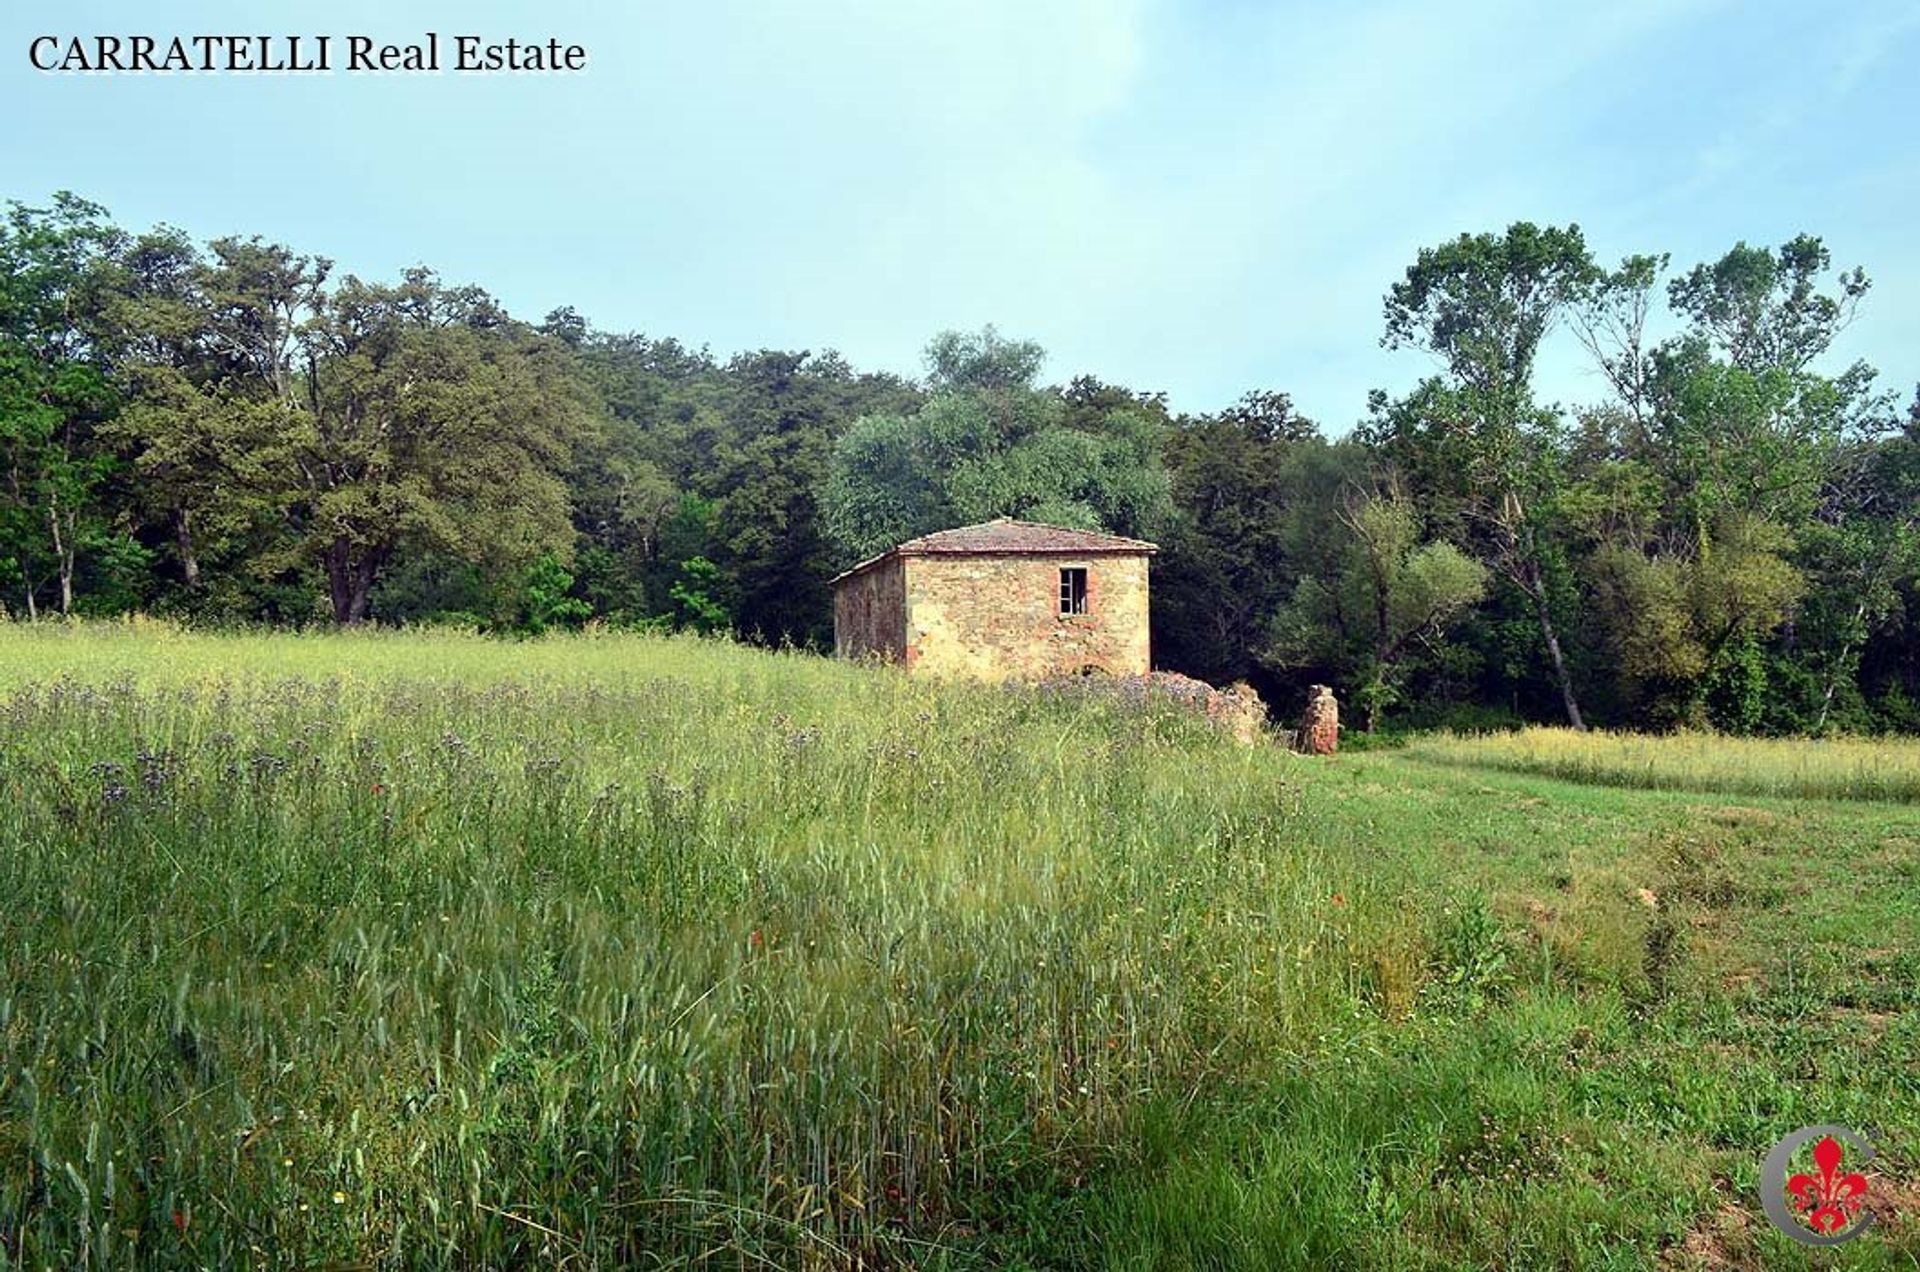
x=1729, y=536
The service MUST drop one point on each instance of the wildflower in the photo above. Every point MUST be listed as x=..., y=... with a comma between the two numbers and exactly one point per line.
x=754, y=939
x=378, y=789
x=1339, y=898
x=339, y=1198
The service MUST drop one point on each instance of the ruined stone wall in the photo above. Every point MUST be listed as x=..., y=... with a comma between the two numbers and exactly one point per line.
x=998, y=617
x=870, y=613
x=1319, y=732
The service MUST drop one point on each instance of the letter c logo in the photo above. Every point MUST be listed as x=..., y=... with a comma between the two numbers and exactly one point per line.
x=1774, y=1185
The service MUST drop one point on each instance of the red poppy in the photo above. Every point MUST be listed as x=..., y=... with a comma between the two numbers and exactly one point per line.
x=378, y=789
x=1339, y=898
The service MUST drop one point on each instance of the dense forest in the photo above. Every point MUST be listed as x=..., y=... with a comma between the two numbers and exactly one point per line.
x=229, y=432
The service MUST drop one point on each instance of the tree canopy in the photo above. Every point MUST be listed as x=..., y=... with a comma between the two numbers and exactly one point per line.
x=1727, y=533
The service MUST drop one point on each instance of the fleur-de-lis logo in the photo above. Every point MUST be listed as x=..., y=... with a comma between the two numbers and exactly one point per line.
x=1831, y=1201
x=1818, y=1209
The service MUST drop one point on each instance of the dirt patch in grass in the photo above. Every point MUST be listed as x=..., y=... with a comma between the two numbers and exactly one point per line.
x=1896, y=1207
x=1720, y=1242
x=1725, y=1240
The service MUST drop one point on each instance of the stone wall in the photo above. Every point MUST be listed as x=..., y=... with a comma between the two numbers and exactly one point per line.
x=870, y=613
x=998, y=617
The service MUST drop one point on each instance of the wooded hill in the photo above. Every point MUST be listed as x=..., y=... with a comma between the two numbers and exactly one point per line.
x=231, y=432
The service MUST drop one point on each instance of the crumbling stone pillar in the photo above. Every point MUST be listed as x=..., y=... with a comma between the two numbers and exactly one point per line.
x=1320, y=726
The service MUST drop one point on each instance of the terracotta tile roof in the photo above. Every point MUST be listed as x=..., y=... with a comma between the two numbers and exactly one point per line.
x=1005, y=536
x=1008, y=535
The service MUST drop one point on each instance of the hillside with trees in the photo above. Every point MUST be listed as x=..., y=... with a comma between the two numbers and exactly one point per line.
x=233, y=432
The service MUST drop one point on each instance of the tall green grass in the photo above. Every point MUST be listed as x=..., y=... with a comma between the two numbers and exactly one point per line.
x=1797, y=768
x=527, y=961
x=397, y=950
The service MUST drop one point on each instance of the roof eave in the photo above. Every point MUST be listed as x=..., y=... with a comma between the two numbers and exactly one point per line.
x=863, y=566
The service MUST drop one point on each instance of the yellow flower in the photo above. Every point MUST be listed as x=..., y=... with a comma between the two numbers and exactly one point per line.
x=339, y=1199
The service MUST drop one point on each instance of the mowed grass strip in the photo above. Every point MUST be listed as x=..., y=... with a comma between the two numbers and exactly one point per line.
x=409, y=950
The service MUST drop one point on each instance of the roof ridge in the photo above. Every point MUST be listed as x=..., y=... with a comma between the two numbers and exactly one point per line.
x=1009, y=536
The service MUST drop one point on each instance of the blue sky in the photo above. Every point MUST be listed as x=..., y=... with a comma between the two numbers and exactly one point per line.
x=1204, y=197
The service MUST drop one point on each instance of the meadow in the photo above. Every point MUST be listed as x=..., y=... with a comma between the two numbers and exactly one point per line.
x=426, y=950
x=1814, y=768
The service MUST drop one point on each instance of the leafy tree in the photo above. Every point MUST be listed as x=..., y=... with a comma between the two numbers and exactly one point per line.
x=696, y=596
x=1483, y=303
x=1763, y=310
x=1243, y=482
x=544, y=601
x=786, y=410
x=432, y=422
x=990, y=442
x=1748, y=446
x=205, y=345
x=1387, y=593
x=55, y=395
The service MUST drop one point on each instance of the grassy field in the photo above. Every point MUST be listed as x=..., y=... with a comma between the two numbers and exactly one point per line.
x=396, y=950
x=1826, y=768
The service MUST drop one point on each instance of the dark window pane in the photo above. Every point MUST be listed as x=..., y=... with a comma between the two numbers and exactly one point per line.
x=1073, y=590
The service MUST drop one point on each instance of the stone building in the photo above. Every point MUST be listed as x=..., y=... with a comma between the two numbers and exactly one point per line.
x=1001, y=599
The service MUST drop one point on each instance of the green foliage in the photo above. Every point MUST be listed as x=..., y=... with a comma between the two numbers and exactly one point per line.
x=1249, y=487
x=54, y=396
x=1763, y=308
x=1387, y=592
x=695, y=596
x=989, y=443
x=229, y=432
x=1484, y=302
x=1736, y=689
x=544, y=599
x=1470, y=956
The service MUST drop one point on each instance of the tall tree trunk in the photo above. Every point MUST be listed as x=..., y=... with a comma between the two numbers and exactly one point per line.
x=350, y=581
x=340, y=580
x=63, y=552
x=183, y=541
x=1833, y=683
x=1537, y=586
x=361, y=602
x=1834, y=672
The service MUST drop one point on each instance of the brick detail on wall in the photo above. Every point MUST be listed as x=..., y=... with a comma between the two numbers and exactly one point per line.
x=870, y=613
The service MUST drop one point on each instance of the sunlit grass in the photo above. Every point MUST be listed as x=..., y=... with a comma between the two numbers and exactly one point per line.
x=1809, y=768
x=418, y=949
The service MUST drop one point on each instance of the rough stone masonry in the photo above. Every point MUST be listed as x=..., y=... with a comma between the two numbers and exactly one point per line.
x=1001, y=600
x=1320, y=725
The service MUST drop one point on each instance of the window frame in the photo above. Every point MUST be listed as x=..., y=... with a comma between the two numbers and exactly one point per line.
x=1074, y=595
